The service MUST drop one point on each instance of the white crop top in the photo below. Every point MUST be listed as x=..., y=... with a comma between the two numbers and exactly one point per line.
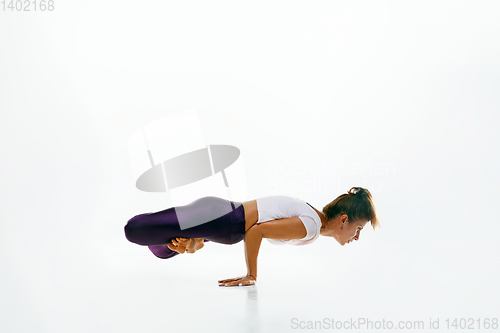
x=277, y=207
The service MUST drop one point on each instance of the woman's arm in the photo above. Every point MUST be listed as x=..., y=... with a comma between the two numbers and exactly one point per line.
x=290, y=228
x=253, y=239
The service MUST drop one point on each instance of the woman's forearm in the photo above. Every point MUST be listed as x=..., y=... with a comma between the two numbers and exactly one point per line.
x=253, y=238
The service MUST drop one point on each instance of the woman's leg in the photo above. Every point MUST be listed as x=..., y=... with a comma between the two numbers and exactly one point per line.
x=162, y=251
x=156, y=230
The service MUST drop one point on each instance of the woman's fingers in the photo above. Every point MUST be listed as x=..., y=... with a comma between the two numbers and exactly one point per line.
x=233, y=279
x=226, y=280
x=238, y=283
x=229, y=280
x=232, y=284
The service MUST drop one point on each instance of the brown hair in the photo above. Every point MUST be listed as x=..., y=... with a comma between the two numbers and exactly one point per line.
x=356, y=203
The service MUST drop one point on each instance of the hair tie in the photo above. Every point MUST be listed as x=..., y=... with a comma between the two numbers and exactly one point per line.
x=355, y=190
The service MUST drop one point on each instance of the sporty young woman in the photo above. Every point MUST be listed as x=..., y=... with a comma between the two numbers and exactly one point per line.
x=280, y=219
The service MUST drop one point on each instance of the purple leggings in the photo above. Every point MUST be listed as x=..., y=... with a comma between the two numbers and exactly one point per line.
x=225, y=224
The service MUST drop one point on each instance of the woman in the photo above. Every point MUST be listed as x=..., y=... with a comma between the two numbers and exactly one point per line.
x=281, y=219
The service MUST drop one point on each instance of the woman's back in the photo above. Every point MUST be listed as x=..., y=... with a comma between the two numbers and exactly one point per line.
x=276, y=207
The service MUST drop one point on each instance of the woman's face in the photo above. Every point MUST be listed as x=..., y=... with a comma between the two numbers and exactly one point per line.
x=350, y=232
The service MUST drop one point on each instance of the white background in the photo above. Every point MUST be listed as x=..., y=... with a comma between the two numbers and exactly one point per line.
x=398, y=97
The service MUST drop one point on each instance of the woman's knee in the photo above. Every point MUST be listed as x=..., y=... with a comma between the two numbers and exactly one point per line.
x=132, y=229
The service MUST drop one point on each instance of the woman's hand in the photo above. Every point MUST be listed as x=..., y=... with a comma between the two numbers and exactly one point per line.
x=246, y=280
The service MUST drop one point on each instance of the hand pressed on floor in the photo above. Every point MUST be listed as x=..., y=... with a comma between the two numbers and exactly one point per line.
x=246, y=280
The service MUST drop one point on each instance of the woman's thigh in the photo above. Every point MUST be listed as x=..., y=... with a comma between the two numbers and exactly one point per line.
x=210, y=218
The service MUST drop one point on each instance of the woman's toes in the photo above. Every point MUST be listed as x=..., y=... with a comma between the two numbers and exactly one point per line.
x=176, y=248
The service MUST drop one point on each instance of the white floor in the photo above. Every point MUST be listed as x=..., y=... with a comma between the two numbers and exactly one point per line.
x=96, y=281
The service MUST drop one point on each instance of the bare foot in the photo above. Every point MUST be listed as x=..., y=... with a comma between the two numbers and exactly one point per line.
x=189, y=245
x=194, y=245
x=179, y=244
